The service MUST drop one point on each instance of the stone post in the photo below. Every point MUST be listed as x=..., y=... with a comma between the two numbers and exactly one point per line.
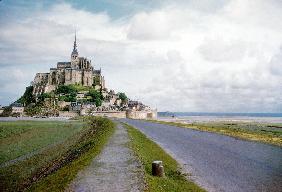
x=158, y=169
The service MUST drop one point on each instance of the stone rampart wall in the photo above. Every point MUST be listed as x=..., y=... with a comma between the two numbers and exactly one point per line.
x=68, y=114
x=118, y=114
x=148, y=114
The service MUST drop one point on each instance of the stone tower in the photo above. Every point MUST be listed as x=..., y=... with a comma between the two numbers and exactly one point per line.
x=79, y=70
x=74, y=54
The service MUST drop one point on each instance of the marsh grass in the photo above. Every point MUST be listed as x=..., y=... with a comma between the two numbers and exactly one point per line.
x=147, y=151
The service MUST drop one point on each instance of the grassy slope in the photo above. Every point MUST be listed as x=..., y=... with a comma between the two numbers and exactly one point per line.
x=21, y=137
x=55, y=167
x=94, y=144
x=266, y=133
x=148, y=151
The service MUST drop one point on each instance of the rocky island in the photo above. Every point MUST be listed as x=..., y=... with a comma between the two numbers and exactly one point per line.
x=75, y=88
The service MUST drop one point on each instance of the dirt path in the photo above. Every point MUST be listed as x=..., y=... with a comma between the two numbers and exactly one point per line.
x=115, y=169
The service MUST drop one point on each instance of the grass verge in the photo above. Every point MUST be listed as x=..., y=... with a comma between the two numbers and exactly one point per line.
x=147, y=151
x=264, y=133
x=54, y=168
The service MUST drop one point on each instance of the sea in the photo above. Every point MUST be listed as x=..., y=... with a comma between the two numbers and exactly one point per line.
x=191, y=117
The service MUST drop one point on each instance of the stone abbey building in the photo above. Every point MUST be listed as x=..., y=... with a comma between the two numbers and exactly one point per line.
x=78, y=71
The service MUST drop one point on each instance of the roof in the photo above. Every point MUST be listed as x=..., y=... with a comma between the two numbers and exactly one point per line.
x=63, y=63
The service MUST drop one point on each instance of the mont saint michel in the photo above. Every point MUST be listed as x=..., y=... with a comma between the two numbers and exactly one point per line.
x=74, y=88
x=140, y=96
x=79, y=71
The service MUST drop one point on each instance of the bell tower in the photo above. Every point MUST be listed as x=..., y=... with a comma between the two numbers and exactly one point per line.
x=74, y=54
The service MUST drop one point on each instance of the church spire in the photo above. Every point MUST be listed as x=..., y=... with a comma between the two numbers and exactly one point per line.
x=74, y=44
x=74, y=51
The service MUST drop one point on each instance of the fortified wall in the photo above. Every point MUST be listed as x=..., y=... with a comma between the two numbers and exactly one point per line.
x=131, y=114
x=146, y=114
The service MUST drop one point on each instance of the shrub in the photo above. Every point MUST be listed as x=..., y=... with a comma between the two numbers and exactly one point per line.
x=66, y=89
x=27, y=97
x=96, y=97
x=7, y=112
x=99, y=122
x=43, y=96
x=33, y=110
x=122, y=97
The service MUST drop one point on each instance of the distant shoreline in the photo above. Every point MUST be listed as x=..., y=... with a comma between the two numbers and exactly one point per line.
x=190, y=117
x=219, y=114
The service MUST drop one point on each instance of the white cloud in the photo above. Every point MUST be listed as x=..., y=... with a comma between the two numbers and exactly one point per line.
x=142, y=27
x=183, y=57
x=276, y=64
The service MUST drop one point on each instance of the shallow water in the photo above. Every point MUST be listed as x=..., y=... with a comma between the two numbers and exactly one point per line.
x=218, y=162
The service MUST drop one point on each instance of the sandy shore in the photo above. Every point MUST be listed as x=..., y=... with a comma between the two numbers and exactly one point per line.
x=198, y=119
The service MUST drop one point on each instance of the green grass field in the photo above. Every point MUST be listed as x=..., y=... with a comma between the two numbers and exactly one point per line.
x=22, y=137
x=58, y=151
x=147, y=151
x=269, y=133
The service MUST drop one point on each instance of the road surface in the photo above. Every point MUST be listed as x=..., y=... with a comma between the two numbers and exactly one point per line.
x=218, y=162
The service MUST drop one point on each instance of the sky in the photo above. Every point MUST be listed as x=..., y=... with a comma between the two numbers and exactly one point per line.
x=174, y=55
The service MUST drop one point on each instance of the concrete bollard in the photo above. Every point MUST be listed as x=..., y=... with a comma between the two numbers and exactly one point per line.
x=158, y=169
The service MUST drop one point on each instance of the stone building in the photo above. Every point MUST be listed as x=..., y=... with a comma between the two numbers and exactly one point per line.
x=78, y=71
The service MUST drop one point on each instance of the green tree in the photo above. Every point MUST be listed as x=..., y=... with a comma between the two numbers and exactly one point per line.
x=71, y=97
x=7, y=111
x=33, y=110
x=43, y=96
x=122, y=97
x=66, y=89
x=70, y=92
x=96, y=97
x=27, y=97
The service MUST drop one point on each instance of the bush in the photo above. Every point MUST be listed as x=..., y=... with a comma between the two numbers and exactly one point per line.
x=27, y=97
x=96, y=97
x=33, y=110
x=66, y=108
x=66, y=89
x=70, y=93
x=99, y=122
x=43, y=96
x=7, y=112
x=16, y=114
x=122, y=97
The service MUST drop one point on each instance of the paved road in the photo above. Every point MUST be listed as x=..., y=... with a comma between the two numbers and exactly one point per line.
x=217, y=162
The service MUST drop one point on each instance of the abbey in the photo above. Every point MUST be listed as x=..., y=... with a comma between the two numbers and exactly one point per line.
x=78, y=71
x=76, y=88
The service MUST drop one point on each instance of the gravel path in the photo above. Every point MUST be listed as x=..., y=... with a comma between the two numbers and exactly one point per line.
x=116, y=169
x=218, y=162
